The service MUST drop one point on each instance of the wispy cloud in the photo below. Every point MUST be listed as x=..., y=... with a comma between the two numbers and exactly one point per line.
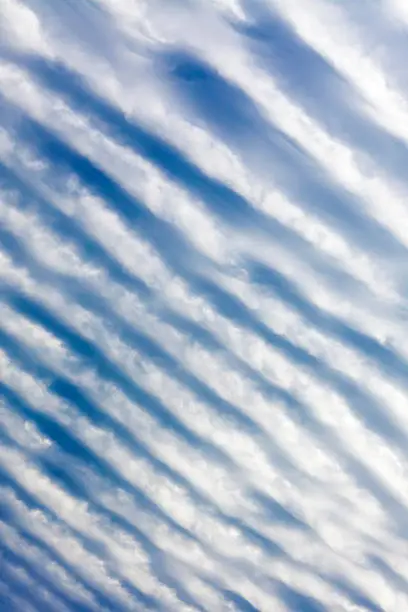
x=203, y=306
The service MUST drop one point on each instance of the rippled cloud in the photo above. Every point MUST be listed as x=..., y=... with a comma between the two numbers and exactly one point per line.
x=203, y=298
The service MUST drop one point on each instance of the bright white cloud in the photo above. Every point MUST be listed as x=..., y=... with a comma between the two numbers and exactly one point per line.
x=202, y=307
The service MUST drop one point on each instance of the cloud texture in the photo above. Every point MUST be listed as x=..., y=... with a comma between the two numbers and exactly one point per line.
x=203, y=306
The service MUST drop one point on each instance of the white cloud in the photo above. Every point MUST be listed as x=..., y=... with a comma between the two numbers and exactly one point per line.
x=176, y=428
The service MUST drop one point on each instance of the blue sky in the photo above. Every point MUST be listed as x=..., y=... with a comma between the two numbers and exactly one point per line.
x=203, y=298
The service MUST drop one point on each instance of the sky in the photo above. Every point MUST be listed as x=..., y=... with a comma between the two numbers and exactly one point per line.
x=203, y=305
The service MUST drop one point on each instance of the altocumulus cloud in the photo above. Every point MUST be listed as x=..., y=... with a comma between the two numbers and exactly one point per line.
x=203, y=305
